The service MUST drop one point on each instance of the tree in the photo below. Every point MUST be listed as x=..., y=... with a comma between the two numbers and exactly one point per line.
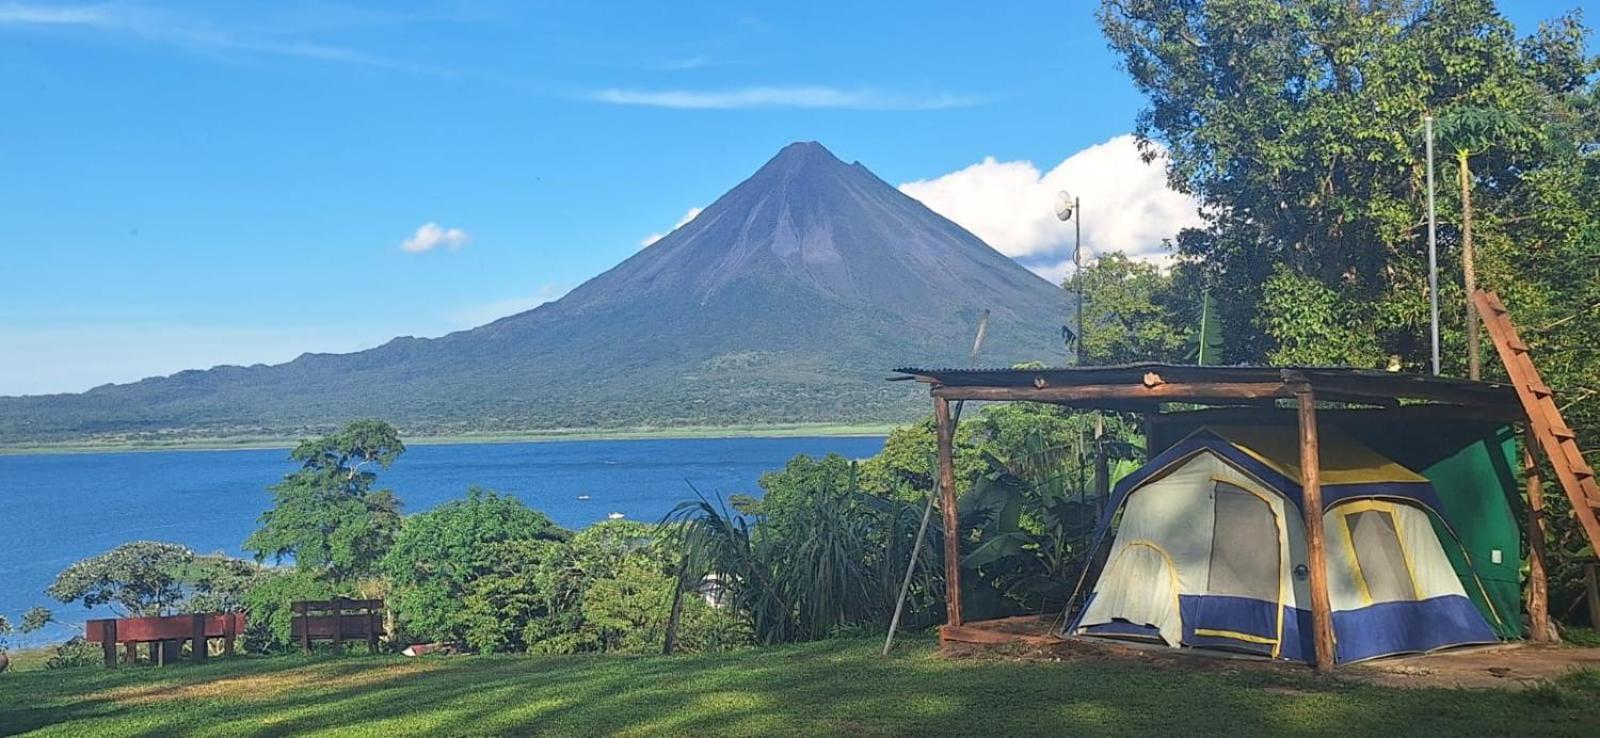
x=1133, y=312
x=326, y=516
x=1296, y=123
x=136, y=579
x=437, y=554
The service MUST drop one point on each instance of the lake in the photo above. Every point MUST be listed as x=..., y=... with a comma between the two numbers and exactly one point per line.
x=58, y=508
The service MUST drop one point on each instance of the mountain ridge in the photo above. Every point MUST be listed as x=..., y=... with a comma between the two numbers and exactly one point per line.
x=788, y=299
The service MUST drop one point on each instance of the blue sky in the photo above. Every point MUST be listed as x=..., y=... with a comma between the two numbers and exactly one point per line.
x=187, y=184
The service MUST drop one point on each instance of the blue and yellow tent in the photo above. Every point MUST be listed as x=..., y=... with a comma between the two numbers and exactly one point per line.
x=1209, y=551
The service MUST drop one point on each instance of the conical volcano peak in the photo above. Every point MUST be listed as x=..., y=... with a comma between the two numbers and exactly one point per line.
x=802, y=156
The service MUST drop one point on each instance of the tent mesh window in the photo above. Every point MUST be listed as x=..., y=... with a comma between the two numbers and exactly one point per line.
x=1379, y=556
x=1244, y=546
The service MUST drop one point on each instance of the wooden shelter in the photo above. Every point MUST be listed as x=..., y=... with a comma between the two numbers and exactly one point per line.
x=1164, y=392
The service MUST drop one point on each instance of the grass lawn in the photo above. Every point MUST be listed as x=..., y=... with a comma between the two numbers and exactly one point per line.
x=835, y=687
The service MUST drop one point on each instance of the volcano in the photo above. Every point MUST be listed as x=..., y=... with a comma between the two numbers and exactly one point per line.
x=787, y=300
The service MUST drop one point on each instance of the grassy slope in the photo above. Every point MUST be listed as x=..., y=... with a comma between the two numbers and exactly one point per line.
x=836, y=687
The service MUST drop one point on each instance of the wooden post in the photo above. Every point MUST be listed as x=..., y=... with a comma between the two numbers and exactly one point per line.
x=130, y=653
x=199, y=623
x=304, y=615
x=372, y=629
x=1316, y=553
x=108, y=642
x=338, y=625
x=947, y=500
x=1538, y=586
x=1591, y=587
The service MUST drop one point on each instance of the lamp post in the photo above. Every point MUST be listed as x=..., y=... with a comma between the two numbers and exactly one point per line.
x=1067, y=209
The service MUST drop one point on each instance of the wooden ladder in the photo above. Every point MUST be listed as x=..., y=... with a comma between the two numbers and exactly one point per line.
x=1560, y=444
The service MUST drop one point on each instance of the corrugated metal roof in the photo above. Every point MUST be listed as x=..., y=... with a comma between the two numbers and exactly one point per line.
x=1338, y=380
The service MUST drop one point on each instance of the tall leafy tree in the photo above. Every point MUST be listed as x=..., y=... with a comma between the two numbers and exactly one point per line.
x=437, y=554
x=1297, y=125
x=326, y=516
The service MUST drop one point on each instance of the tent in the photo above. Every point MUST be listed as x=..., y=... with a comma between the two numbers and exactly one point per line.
x=1209, y=551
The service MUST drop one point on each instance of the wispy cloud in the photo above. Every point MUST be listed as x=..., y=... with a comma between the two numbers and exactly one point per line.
x=476, y=315
x=654, y=237
x=191, y=34
x=781, y=97
x=430, y=236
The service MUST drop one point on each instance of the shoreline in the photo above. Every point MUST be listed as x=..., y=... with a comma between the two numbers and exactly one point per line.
x=259, y=443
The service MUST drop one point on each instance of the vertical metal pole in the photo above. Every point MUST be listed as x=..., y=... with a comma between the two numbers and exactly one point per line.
x=1433, y=248
x=1077, y=268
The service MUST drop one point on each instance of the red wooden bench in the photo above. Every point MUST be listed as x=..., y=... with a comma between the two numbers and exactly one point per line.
x=197, y=628
x=338, y=620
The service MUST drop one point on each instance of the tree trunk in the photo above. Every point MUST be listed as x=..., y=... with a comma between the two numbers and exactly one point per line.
x=1469, y=270
x=675, y=616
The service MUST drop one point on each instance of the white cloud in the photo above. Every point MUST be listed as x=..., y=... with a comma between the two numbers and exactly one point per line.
x=780, y=97
x=476, y=315
x=654, y=237
x=1126, y=205
x=430, y=236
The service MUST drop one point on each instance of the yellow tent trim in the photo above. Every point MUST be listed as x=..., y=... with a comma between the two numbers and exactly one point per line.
x=1246, y=637
x=1344, y=459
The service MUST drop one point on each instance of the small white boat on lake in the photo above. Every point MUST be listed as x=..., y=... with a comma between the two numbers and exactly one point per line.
x=615, y=516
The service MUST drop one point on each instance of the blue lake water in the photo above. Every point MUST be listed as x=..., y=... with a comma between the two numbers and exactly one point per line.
x=59, y=508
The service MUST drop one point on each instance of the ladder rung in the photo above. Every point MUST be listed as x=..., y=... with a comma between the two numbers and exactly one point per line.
x=1541, y=389
x=1562, y=432
x=1517, y=344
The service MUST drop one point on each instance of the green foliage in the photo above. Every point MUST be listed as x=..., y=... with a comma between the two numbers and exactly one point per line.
x=269, y=625
x=5, y=630
x=135, y=579
x=521, y=601
x=1297, y=124
x=1313, y=324
x=74, y=653
x=438, y=553
x=327, y=516
x=36, y=618
x=1133, y=311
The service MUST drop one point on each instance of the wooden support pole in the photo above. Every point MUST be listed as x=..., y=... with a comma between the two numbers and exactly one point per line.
x=1538, y=586
x=1591, y=591
x=338, y=625
x=108, y=642
x=1316, y=552
x=229, y=632
x=199, y=638
x=946, y=429
x=372, y=625
x=130, y=653
x=304, y=615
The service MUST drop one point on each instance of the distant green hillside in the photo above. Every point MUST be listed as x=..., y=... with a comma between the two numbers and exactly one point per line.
x=788, y=300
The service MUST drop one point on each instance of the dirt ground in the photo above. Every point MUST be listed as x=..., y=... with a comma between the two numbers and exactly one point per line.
x=1504, y=666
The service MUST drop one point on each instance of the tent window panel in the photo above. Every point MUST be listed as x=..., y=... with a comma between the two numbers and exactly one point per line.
x=1379, y=556
x=1244, y=546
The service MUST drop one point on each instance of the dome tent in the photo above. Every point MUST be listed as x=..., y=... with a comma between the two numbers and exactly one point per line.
x=1209, y=551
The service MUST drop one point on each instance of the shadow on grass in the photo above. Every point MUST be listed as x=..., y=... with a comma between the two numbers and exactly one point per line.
x=833, y=687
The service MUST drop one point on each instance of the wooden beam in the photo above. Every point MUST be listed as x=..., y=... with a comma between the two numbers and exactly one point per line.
x=1316, y=552
x=1538, y=586
x=198, y=623
x=946, y=428
x=1165, y=392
